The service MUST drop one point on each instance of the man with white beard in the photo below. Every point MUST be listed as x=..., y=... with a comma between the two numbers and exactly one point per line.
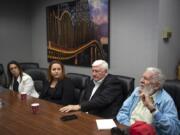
x=150, y=103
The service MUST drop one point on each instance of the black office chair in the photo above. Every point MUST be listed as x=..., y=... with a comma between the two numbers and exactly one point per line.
x=173, y=88
x=3, y=77
x=39, y=76
x=29, y=65
x=127, y=84
x=80, y=82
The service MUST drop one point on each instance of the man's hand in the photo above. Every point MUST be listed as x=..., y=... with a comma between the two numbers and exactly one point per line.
x=69, y=108
x=147, y=101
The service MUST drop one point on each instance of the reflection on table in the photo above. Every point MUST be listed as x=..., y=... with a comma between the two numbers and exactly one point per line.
x=16, y=118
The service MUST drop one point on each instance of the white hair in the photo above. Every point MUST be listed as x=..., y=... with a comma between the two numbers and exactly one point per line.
x=102, y=63
x=157, y=75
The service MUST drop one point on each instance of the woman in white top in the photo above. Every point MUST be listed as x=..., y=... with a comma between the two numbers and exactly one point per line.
x=20, y=81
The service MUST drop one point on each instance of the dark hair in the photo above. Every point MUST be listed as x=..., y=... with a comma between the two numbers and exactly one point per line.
x=10, y=76
x=49, y=70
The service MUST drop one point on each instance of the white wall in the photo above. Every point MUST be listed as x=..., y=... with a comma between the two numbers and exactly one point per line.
x=133, y=36
x=15, y=31
x=169, y=53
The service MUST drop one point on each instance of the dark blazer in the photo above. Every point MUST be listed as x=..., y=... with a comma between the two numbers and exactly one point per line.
x=107, y=99
x=64, y=92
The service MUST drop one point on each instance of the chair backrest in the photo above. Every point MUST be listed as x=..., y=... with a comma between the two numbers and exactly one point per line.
x=3, y=78
x=173, y=88
x=80, y=82
x=39, y=76
x=127, y=84
x=29, y=65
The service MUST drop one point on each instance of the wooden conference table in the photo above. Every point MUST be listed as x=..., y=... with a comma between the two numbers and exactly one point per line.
x=16, y=118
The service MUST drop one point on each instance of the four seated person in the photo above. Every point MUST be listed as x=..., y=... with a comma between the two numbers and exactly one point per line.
x=103, y=96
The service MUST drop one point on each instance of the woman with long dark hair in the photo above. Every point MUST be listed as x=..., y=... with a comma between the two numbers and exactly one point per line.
x=20, y=81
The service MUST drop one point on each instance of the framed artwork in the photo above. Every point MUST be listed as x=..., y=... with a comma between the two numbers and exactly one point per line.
x=78, y=32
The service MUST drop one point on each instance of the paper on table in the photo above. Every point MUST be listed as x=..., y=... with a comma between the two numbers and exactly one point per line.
x=105, y=124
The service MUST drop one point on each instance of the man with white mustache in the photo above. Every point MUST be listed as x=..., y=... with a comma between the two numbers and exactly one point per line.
x=150, y=103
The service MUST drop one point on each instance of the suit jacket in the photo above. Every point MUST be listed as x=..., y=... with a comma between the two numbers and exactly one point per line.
x=107, y=99
x=64, y=92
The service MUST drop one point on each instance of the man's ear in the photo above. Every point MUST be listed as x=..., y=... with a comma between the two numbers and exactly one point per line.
x=156, y=86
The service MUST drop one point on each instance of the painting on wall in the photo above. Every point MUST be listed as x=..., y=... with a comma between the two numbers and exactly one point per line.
x=78, y=32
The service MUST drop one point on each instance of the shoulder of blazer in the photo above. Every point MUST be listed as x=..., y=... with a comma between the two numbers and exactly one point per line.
x=90, y=84
x=26, y=76
x=64, y=83
x=109, y=78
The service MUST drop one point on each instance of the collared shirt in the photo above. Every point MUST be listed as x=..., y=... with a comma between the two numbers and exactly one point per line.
x=141, y=113
x=97, y=84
